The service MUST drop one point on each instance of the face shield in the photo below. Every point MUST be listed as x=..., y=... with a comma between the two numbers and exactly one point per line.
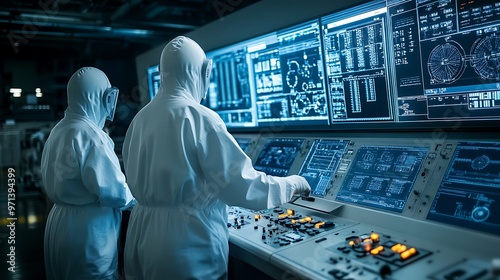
x=110, y=99
x=206, y=70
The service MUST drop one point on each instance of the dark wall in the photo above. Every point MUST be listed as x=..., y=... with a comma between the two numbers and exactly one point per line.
x=52, y=75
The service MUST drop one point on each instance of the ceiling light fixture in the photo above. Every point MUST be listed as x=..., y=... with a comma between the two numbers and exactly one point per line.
x=16, y=92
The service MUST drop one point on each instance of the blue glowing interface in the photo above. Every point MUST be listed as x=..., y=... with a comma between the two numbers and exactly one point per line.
x=244, y=143
x=275, y=78
x=321, y=164
x=382, y=176
x=394, y=61
x=469, y=195
x=153, y=80
x=278, y=155
x=356, y=64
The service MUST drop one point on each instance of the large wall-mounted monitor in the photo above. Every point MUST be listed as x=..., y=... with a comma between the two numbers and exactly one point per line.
x=469, y=194
x=153, y=80
x=275, y=79
x=356, y=54
x=390, y=64
x=444, y=59
x=230, y=93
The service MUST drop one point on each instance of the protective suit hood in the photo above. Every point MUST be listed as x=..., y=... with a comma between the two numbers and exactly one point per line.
x=86, y=89
x=184, y=69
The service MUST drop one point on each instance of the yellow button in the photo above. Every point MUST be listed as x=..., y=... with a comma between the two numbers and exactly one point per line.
x=398, y=248
x=408, y=253
x=377, y=250
x=290, y=212
x=375, y=237
x=282, y=216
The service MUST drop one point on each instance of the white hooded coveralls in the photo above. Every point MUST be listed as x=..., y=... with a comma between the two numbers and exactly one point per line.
x=184, y=168
x=82, y=176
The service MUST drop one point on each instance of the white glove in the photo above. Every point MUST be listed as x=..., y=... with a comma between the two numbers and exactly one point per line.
x=300, y=185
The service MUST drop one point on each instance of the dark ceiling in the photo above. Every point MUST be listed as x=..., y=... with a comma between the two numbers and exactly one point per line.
x=101, y=29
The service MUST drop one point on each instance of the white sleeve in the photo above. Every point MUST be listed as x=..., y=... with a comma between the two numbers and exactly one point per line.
x=102, y=176
x=230, y=175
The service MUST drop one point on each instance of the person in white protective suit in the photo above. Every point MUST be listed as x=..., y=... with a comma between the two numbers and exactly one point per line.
x=184, y=169
x=82, y=177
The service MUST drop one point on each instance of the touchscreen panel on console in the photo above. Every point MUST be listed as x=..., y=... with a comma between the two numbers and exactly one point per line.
x=278, y=155
x=321, y=164
x=469, y=194
x=382, y=176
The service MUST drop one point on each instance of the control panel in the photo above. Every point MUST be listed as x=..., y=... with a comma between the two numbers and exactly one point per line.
x=274, y=229
x=412, y=207
x=365, y=252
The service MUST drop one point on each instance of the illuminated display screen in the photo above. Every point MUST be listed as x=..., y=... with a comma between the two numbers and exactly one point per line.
x=453, y=44
x=153, y=81
x=356, y=63
x=288, y=77
x=277, y=156
x=469, y=195
x=381, y=62
x=382, y=176
x=229, y=93
x=321, y=164
x=273, y=79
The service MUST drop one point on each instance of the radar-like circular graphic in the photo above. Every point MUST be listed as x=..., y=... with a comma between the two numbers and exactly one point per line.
x=480, y=162
x=480, y=214
x=446, y=63
x=485, y=57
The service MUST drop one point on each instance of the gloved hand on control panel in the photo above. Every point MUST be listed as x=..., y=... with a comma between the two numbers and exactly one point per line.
x=300, y=185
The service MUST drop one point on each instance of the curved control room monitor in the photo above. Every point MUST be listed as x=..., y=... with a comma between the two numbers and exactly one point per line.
x=392, y=63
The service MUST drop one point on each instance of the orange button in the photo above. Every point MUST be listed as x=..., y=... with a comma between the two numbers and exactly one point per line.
x=398, y=248
x=377, y=250
x=282, y=216
x=318, y=225
x=375, y=237
x=408, y=253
